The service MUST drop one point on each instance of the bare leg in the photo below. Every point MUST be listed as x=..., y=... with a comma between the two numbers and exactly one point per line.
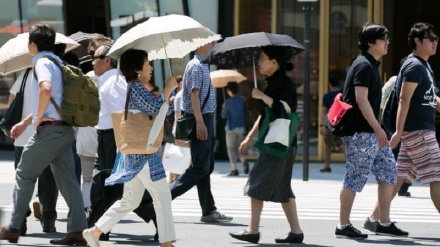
x=435, y=194
x=346, y=200
x=376, y=212
x=292, y=215
x=256, y=208
x=96, y=233
x=385, y=195
x=327, y=156
x=233, y=165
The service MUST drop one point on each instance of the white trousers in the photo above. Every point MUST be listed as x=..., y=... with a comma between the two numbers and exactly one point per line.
x=131, y=199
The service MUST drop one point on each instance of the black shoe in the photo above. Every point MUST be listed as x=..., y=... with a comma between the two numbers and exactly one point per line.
x=406, y=193
x=232, y=173
x=391, y=230
x=49, y=229
x=245, y=167
x=370, y=225
x=350, y=232
x=291, y=238
x=326, y=169
x=245, y=236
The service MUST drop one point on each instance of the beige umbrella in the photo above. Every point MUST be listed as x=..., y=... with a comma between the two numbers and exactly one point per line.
x=221, y=77
x=14, y=54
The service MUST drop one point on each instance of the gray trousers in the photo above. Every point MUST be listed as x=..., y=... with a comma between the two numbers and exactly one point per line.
x=49, y=145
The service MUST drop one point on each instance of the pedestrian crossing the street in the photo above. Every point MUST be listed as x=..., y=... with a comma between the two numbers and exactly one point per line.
x=316, y=200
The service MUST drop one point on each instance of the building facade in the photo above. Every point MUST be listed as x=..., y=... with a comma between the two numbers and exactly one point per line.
x=334, y=25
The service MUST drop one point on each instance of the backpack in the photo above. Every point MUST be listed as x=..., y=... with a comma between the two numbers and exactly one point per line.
x=80, y=105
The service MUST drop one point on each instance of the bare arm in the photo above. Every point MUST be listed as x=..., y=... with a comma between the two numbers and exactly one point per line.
x=366, y=110
x=406, y=94
x=252, y=133
x=324, y=111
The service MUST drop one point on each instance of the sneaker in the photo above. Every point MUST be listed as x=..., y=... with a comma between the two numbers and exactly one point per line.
x=326, y=169
x=406, y=193
x=215, y=216
x=391, y=230
x=370, y=225
x=233, y=173
x=350, y=232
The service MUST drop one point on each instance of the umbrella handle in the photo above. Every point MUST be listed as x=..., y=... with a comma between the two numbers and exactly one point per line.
x=166, y=54
x=255, y=74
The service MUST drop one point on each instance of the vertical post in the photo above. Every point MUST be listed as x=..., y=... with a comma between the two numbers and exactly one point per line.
x=307, y=9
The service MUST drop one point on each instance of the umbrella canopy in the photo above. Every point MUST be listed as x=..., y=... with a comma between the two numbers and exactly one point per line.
x=170, y=36
x=83, y=39
x=14, y=54
x=220, y=78
x=243, y=50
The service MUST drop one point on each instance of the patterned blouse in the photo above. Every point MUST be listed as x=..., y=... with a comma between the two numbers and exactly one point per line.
x=144, y=101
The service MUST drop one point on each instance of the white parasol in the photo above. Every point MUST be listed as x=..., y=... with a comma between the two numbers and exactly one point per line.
x=14, y=54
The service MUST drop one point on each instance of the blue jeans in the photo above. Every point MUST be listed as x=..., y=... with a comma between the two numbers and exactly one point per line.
x=202, y=157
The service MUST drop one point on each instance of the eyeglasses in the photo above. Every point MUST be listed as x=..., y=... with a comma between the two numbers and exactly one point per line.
x=432, y=39
x=97, y=57
x=385, y=38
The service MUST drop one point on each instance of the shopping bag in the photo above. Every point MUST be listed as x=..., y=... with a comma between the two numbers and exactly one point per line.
x=277, y=148
x=176, y=159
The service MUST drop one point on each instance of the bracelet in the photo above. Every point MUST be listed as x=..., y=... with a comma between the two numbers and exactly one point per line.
x=39, y=118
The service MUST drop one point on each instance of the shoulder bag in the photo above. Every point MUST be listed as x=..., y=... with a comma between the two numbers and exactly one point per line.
x=15, y=111
x=132, y=130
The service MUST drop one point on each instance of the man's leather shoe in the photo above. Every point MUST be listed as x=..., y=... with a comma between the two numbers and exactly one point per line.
x=70, y=239
x=245, y=236
x=291, y=238
x=11, y=235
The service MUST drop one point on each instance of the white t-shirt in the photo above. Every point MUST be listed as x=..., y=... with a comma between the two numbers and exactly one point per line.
x=27, y=106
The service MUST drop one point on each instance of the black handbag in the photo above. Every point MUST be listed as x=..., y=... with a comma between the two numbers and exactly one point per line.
x=15, y=110
x=186, y=124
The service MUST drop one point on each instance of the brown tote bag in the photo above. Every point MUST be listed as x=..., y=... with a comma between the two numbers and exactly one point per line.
x=132, y=131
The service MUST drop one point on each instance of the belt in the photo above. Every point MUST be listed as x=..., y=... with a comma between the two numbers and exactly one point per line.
x=103, y=131
x=53, y=123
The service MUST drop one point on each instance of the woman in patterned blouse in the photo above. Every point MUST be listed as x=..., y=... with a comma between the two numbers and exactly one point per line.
x=143, y=171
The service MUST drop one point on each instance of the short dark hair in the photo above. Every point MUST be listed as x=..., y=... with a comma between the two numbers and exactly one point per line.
x=420, y=30
x=333, y=80
x=233, y=87
x=43, y=36
x=132, y=60
x=71, y=58
x=179, y=78
x=107, y=47
x=369, y=33
x=277, y=53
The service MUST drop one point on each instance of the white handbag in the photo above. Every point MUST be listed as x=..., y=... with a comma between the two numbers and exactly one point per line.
x=279, y=129
x=176, y=159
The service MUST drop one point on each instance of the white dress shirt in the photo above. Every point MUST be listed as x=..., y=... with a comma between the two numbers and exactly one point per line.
x=112, y=95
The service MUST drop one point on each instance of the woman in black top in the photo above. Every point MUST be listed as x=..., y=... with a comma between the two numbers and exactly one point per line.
x=270, y=177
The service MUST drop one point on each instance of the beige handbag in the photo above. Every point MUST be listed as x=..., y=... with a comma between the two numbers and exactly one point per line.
x=132, y=130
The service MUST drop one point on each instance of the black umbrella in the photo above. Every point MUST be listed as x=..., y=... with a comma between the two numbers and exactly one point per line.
x=84, y=39
x=243, y=50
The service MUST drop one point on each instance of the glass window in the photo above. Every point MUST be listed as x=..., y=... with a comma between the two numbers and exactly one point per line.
x=290, y=21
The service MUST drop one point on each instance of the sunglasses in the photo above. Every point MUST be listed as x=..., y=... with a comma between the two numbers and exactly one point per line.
x=97, y=57
x=432, y=39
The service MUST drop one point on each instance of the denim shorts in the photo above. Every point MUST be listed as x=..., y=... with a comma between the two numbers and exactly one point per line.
x=364, y=155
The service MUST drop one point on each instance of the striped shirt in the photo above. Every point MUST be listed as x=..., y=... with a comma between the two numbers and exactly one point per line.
x=197, y=74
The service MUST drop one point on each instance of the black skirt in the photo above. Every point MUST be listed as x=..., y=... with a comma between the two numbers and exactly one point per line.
x=270, y=178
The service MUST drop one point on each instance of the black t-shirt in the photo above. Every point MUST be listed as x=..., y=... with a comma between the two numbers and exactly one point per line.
x=422, y=108
x=363, y=73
